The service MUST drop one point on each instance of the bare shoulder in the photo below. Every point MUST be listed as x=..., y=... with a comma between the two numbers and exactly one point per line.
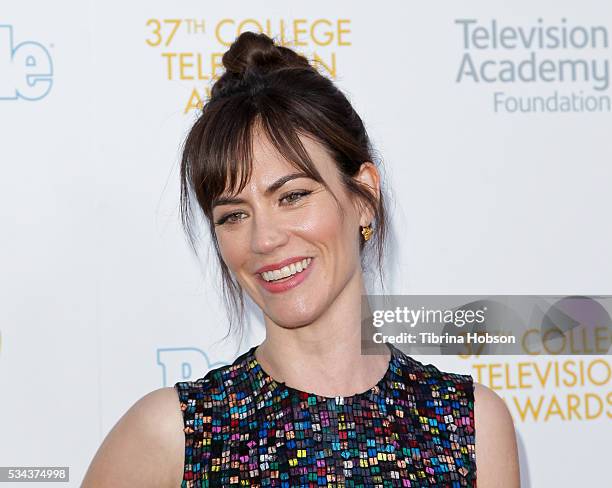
x=497, y=463
x=144, y=448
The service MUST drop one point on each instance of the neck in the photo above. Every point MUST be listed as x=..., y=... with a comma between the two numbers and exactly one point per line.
x=324, y=357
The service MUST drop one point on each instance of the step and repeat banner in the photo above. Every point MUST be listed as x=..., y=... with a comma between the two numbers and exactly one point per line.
x=492, y=121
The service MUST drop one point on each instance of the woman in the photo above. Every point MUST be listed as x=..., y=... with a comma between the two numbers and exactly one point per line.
x=281, y=166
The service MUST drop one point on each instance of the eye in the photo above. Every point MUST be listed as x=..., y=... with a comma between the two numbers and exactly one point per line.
x=229, y=218
x=294, y=196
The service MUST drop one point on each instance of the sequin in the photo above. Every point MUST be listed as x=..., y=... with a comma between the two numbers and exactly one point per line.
x=414, y=428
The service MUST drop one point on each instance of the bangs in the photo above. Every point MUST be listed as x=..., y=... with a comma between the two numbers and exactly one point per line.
x=223, y=165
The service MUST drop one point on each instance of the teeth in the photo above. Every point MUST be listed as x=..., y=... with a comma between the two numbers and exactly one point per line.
x=286, y=271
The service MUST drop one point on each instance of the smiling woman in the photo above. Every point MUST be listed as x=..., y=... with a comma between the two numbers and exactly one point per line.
x=275, y=123
x=281, y=166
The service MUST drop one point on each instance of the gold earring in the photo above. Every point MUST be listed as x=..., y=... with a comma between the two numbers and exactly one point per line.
x=366, y=232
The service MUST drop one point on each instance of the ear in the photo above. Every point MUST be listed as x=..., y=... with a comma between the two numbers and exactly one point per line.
x=369, y=177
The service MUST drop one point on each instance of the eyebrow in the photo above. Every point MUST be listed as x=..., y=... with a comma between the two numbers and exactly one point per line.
x=271, y=189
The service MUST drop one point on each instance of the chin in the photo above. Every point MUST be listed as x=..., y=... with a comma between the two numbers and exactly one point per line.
x=292, y=319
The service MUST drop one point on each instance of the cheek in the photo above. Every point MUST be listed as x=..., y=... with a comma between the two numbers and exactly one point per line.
x=324, y=224
x=231, y=249
x=320, y=226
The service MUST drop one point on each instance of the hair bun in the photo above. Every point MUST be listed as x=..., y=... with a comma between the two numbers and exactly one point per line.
x=256, y=51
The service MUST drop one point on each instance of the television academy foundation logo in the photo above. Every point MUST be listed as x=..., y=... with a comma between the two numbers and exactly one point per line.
x=537, y=66
x=26, y=68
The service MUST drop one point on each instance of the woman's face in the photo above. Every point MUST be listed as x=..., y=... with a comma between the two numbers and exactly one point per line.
x=296, y=220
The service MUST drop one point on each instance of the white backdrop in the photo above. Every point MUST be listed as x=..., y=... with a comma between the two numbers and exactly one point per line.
x=102, y=301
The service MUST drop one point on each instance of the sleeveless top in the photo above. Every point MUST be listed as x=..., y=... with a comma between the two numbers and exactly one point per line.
x=414, y=428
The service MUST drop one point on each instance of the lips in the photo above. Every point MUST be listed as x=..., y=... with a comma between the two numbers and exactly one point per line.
x=280, y=264
x=289, y=283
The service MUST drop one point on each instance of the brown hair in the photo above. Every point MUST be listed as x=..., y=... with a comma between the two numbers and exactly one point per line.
x=277, y=90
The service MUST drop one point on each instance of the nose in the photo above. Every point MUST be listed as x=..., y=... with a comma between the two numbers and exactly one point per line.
x=267, y=234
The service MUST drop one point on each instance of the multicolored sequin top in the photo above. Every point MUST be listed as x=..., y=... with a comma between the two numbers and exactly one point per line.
x=414, y=428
